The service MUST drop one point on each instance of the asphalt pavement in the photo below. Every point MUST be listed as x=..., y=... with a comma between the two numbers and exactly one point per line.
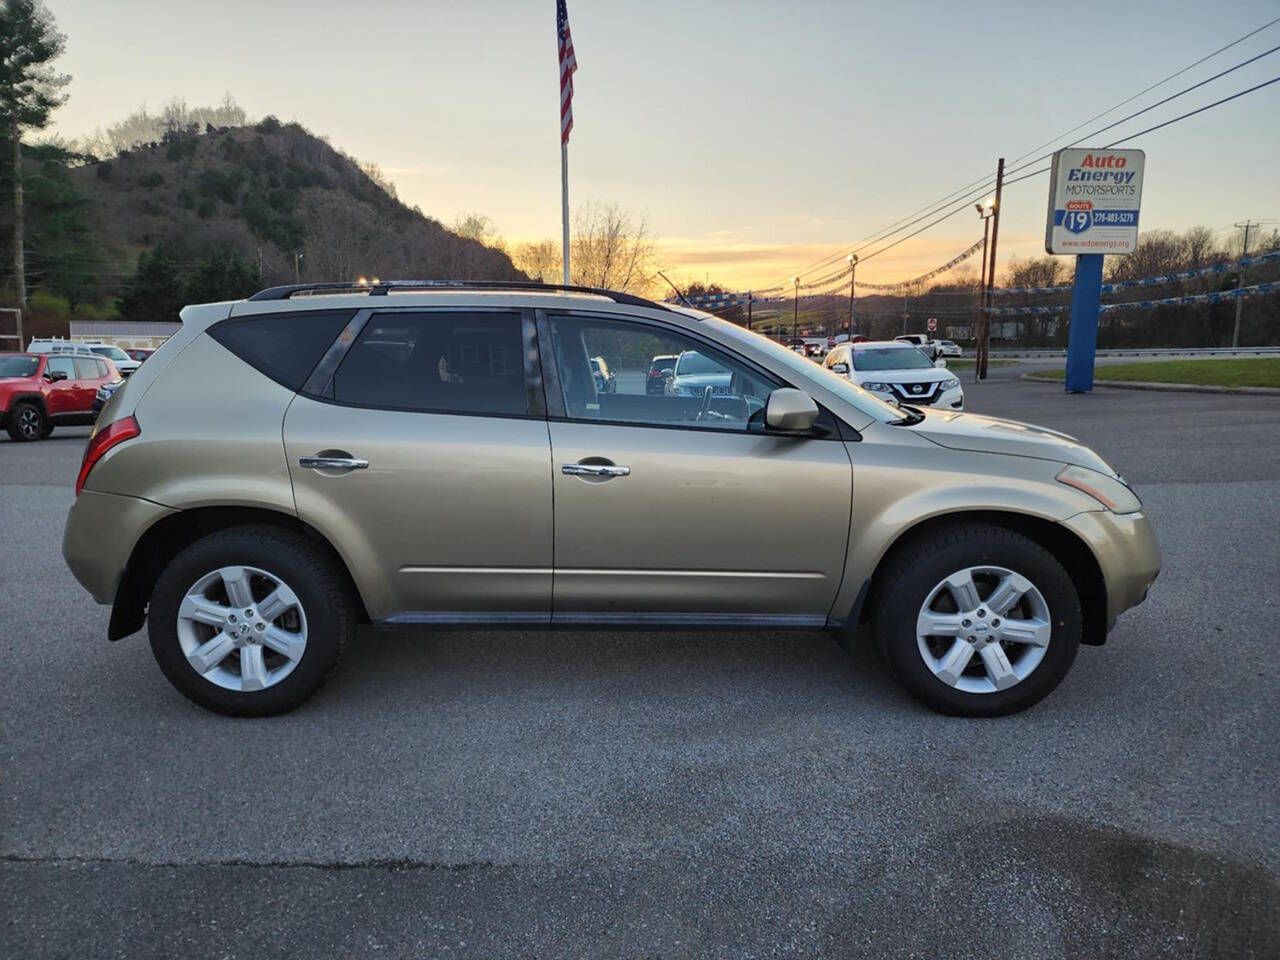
x=594, y=794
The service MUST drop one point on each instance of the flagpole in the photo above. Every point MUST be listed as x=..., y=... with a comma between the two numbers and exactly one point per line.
x=564, y=207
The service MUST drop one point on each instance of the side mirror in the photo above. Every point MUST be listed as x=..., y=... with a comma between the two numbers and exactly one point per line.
x=53, y=376
x=790, y=411
x=841, y=368
x=666, y=373
x=939, y=362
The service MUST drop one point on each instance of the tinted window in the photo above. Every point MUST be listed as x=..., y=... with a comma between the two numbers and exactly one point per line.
x=86, y=369
x=439, y=362
x=64, y=364
x=708, y=389
x=284, y=346
x=18, y=366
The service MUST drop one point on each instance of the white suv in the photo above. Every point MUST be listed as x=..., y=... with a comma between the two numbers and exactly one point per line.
x=87, y=348
x=898, y=371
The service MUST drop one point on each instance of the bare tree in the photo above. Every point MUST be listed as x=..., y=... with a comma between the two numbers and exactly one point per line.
x=539, y=259
x=610, y=249
x=347, y=240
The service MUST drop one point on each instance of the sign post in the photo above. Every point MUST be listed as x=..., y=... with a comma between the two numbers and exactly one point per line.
x=1094, y=198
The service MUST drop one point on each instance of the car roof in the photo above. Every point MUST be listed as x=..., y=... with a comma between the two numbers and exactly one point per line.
x=895, y=344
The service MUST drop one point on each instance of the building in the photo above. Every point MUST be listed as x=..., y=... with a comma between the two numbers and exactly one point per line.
x=125, y=333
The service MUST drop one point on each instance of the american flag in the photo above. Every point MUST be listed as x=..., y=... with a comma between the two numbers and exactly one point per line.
x=568, y=65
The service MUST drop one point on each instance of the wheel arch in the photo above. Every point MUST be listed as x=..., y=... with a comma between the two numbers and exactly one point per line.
x=34, y=397
x=1072, y=551
x=168, y=536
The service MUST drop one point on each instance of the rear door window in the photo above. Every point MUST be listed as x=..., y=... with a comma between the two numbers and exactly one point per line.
x=284, y=346
x=86, y=369
x=437, y=362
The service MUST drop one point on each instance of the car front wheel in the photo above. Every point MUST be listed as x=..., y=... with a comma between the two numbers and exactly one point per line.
x=27, y=422
x=977, y=621
x=250, y=621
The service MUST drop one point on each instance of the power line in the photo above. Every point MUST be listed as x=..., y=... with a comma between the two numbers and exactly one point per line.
x=1158, y=103
x=1158, y=83
x=932, y=207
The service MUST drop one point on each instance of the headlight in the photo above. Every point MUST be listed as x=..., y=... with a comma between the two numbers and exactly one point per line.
x=1108, y=491
x=102, y=393
x=876, y=385
x=950, y=384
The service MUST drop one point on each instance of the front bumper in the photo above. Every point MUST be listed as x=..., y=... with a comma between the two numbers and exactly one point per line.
x=1125, y=547
x=102, y=529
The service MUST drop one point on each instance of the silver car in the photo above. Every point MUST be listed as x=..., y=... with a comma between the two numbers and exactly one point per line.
x=292, y=465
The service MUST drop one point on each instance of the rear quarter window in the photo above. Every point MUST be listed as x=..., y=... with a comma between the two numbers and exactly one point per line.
x=284, y=346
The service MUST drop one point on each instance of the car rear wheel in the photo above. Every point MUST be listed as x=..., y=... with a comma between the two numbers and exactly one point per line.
x=977, y=621
x=250, y=621
x=27, y=422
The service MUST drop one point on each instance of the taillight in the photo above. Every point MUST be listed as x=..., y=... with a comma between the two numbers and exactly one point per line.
x=103, y=440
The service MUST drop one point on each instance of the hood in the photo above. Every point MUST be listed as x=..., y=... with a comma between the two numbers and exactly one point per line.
x=919, y=375
x=968, y=431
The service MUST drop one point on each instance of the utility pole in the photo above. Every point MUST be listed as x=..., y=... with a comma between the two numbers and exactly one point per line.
x=19, y=264
x=259, y=262
x=853, y=269
x=795, y=317
x=904, y=313
x=749, y=299
x=984, y=344
x=297, y=270
x=1235, y=333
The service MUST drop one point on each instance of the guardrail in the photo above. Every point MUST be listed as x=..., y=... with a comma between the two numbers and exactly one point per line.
x=1146, y=352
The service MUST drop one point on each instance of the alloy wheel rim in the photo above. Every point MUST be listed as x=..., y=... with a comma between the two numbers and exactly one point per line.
x=983, y=629
x=29, y=423
x=242, y=628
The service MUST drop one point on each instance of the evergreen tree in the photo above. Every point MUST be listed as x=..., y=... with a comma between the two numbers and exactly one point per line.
x=223, y=276
x=156, y=291
x=29, y=93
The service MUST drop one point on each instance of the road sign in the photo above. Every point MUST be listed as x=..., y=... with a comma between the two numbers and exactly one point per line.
x=1094, y=196
x=933, y=324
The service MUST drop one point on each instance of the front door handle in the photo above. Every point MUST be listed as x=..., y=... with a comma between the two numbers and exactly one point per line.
x=594, y=470
x=333, y=463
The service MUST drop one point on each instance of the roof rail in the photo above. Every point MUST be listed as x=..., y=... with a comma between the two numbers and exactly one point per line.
x=383, y=287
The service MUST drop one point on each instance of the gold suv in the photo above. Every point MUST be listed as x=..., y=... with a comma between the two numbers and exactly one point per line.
x=291, y=465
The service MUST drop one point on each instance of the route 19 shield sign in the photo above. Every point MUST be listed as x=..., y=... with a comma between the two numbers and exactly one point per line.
x=1094, y=197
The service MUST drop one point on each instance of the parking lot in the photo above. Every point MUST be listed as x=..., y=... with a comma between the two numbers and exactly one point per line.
x=579, y=794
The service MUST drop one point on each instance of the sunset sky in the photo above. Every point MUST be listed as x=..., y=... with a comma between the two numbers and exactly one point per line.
x=756, y=137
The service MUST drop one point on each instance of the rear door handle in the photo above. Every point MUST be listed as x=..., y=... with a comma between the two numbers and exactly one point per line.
x=333, y=463
x=594, y=470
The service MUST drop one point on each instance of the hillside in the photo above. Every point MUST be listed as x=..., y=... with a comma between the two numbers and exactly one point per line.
x=277, y=189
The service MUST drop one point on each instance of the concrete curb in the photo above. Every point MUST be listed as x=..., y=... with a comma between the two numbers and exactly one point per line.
x=1163, y=387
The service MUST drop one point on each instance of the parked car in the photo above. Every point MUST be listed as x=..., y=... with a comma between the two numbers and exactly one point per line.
x=924, y=342
x=899, y=372
x=695, y=373
x=606, y=382
x=949, y=348
x=105, y=393
x=660, y=368
x=278, y=475
x=121, y=360
x=139, y=354
x=39, y=391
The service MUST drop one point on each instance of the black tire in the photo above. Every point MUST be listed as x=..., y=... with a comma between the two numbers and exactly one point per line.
x=322, y=591
x=917, y=566
x=27, y=422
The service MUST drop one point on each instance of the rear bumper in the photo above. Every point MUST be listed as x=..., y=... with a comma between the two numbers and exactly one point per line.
x=102, y=530
x=1127, y=552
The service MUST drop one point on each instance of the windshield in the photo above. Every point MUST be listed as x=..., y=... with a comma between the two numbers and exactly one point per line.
x=889, y=358
x=18, y=366
x=115, y=353
x=840, y=385
x=691, y=362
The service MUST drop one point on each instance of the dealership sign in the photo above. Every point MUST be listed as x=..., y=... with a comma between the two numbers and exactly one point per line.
x=1094, y=196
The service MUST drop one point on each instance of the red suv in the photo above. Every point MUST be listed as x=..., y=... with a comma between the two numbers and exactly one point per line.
x=41, y=390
